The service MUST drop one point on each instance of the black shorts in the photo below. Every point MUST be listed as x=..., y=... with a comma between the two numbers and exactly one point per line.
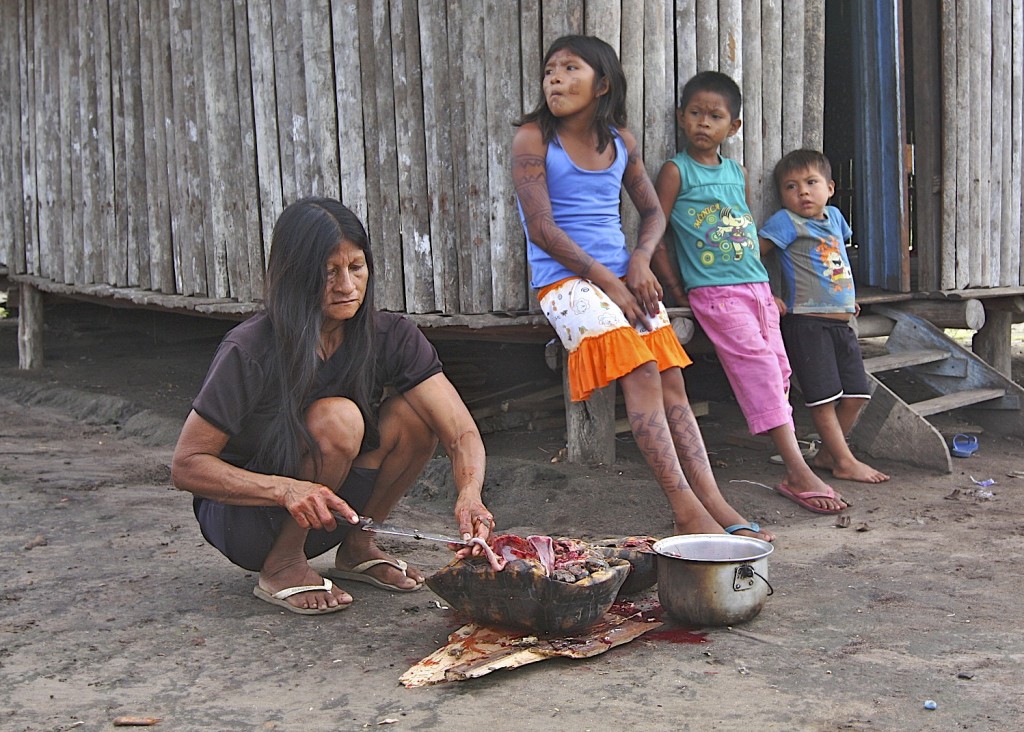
x=825, y=358
x=245, y=534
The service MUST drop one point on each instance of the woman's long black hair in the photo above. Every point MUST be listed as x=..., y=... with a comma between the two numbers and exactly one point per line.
x=611, y=106
x=306, y=234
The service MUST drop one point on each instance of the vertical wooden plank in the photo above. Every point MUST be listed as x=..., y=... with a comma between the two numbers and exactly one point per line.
x=26, y=260
x=758, y=170
x=771, y=94
x=73, y=262
x=134, y=172
x=414, y=206
x=950, y=143
x=65, y=198
x=659, y=107
x=632, y=59
x=707, y=34
x=469, y=137
x=686, y=52
x=111, y=262
x=603, y=18
x=12, y=241
x=375, y=57
x=264, y=107
x=348, y=97
x=321, y=110
x=560, y=18
x=981, y=136
x=926, y=54
x=730, y=62
x=119, y=265
x=250, y=232
x=438, y=86
x=184, y=176
x=92, y=250
x=508, y=257
x=227, y=260
x=45, y=120
x=531, y=51
x=814, y=74
x=155, y=64
x=964, y=233
x=291, y=103
x=793, y=76
x=1014, y=261
x=998, y=44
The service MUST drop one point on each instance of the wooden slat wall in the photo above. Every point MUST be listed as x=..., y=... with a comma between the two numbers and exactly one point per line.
x=983, y=61
x=152, y=145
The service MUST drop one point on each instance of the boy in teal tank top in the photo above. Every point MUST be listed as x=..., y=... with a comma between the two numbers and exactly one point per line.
x=719, y=273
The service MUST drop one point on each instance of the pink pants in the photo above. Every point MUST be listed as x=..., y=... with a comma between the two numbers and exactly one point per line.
x=742, y=321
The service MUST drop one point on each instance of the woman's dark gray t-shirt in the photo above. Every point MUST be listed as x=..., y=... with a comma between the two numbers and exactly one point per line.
x=238, y=399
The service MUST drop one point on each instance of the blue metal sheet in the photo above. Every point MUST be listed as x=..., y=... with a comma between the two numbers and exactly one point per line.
x=878, y=151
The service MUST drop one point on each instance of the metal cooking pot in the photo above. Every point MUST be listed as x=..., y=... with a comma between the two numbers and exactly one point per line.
x=712, y=579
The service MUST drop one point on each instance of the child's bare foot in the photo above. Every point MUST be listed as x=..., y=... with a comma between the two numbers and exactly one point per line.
x=852, y=469
x=860, y=472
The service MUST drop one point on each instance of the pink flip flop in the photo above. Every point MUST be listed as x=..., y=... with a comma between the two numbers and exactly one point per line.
x=802, y=499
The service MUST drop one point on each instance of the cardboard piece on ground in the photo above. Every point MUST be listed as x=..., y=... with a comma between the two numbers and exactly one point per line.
x=475, y=650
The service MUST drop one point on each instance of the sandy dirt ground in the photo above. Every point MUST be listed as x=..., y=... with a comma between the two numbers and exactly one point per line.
x=112, y=604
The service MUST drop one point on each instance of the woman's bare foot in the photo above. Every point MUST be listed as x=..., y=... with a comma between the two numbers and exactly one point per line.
x=351, y=554
x=298, y=574
x=701, y=524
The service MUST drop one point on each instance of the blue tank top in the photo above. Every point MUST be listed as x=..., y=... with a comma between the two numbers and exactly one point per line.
x=716, y=240
x=585, y=205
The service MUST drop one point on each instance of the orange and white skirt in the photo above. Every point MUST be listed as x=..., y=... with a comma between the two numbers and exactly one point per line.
x=602, y=344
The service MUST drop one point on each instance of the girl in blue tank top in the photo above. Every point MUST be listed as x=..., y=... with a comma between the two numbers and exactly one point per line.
x=570, y=158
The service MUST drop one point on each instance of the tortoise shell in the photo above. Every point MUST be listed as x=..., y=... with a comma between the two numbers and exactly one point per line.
x=521, y=597
x=639, y=552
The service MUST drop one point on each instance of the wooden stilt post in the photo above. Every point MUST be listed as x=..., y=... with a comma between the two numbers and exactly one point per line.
x=30, y=327
x=590, y=425
x=992, y=342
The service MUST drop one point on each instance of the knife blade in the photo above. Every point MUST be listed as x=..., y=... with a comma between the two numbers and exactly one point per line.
x=367, y=524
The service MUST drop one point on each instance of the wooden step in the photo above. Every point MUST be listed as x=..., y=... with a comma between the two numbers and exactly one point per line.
x=893, y=361
x=954, y=400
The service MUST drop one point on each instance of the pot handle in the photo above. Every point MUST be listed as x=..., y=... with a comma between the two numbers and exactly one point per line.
x=743, y=579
